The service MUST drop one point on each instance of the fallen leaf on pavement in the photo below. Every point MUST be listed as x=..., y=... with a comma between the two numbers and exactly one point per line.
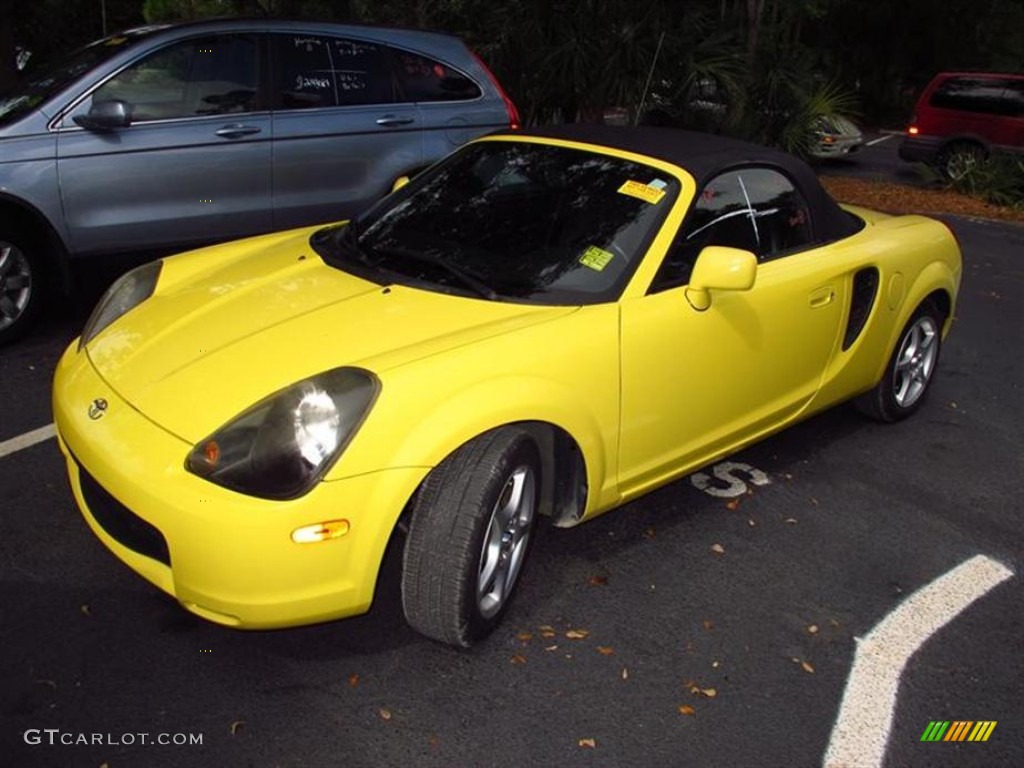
x=518, y=659
x=733, y=505
x=806, y=666
x=385, y=714
x=605, y=650
x=813, y=629
x=625, y=674
x=598, y=581
x=686, y=709
x=709, y=624
x=236, y=726
x=718, y=549
x=577, y=634
x=587, y=743
x=85, y=610
x=353, y=680
x=524, y=636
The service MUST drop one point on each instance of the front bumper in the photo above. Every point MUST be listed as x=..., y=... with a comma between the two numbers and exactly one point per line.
x=223, y=555
x=839, y=147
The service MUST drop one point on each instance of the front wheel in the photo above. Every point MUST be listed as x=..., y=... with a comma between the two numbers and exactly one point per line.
x=21, y=287
x=910, y=371
x=471, y=529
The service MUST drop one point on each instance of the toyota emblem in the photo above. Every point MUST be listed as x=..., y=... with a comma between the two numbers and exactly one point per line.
x=97, y=408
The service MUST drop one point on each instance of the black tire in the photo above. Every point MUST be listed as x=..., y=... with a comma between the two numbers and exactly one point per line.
x=959, y=158
x=22, y=285
x=911, y=369
x=476, y=509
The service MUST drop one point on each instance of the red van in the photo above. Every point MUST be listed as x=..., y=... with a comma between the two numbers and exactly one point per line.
x=963, y=116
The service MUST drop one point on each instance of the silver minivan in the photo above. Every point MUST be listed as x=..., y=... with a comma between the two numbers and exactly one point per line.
x=169, y=136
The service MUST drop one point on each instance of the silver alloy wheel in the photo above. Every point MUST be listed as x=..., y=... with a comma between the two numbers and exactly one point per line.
x=15, y=284
x=915, y=362
x=960, y=163
x=504, y=546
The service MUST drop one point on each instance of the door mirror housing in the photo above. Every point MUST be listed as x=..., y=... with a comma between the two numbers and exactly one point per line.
x=106, y=115
x=720, y=269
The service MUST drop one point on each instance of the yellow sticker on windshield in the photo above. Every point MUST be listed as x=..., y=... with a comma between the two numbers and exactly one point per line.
x=647, y=192
x=596, y=258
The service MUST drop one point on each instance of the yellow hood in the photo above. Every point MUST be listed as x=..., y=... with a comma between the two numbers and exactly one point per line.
x=230, y=325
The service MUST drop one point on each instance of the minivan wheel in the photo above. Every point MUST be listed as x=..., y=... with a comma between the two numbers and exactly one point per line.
x=21, y=287
x=960, y=158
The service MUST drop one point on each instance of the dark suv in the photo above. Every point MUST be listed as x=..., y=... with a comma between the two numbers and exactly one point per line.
x=169, y=136
x=961, y=117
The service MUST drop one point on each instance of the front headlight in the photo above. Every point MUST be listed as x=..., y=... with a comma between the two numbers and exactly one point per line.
x=283, y=445
x=127, y=292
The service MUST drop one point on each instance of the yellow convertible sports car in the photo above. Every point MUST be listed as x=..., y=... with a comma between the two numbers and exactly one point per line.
x=544, y=323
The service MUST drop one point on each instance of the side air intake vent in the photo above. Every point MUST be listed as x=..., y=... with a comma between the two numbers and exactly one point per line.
x=865, y=289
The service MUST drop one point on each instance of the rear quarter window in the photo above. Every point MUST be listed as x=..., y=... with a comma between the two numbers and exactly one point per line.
x=424, y=79
x=985, y=95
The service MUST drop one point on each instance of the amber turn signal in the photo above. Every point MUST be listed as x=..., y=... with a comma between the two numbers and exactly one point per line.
x=310, y=534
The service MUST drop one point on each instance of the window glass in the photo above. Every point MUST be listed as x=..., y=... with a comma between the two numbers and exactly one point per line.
x=1014, y=96
x=304, y=76
x=327, y=72
x=424, y=79
x=43, y=84
x=514, y=221
x=205, y=76
x=973, y=94
x=756, y=209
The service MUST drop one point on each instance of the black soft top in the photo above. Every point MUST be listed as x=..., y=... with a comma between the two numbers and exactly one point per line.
x=704, y=156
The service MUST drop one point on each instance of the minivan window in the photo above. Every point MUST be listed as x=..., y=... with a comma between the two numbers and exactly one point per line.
x=204, y=76
x=424, y=79
x=316, y=71
x=974, y=94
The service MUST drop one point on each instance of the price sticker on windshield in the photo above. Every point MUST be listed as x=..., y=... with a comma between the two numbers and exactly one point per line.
x=650, y=193
x=596, y=258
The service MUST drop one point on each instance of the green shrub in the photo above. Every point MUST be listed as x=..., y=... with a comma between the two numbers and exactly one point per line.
x=998, y=179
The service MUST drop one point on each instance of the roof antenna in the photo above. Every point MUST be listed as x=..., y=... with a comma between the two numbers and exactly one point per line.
x=647, y=85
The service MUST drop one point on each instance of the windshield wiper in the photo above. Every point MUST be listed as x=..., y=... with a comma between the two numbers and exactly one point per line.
x=467, y=279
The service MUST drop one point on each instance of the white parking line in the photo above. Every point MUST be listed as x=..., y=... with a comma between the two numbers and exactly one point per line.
x=861, y=732
x=880, y=139
x=26, y=440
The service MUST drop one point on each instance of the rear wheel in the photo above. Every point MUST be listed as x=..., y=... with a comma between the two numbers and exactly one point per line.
x=910, y=371
x=21, y=286
x=960, y=158
x=470, y=534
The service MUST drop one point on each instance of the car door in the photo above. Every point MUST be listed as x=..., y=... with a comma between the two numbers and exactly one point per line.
x=340, y=136
x=193, y=165
x=696, y=383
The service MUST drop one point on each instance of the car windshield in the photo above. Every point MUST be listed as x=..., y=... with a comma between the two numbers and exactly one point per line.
x=512, y=221
x=37, y=87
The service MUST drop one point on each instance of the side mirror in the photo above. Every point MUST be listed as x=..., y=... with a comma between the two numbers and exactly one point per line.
x=400, y=182
x=721, y=269
x=106, y=116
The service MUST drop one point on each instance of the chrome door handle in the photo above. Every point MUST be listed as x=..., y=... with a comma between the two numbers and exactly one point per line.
x=389, y=121
x=236, y=131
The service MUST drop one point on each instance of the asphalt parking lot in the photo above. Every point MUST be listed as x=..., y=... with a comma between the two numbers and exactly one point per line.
x=711, y=623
